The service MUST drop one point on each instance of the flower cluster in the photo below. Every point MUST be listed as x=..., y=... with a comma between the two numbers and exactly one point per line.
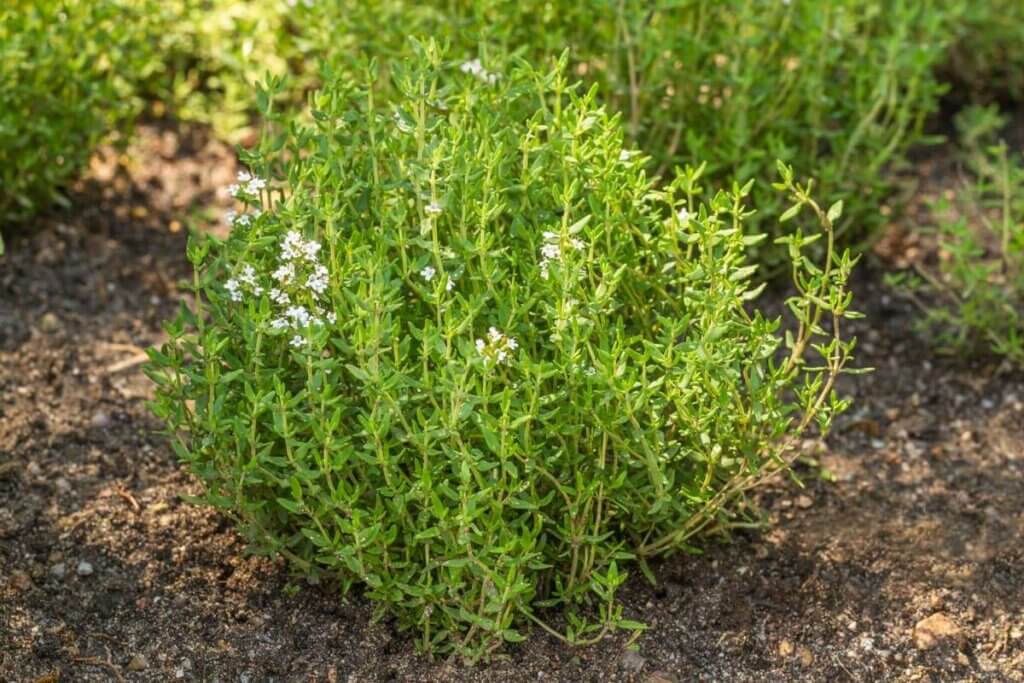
x=428, y=273
x=246, y=280
x=477, y=69
x=248, y=185
x=244, y=220
x=551, y=251
x=497, y=347
x=298, y=273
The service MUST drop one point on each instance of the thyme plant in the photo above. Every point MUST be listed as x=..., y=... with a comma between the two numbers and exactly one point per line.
x=972, y=295
x=459, y=351
x=67, y=69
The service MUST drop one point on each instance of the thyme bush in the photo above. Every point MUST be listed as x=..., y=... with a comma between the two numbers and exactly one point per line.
x=67, y=69
x=972, y=296
x=458, y=350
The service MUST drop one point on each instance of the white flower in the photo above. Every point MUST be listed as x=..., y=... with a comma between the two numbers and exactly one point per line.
x=294, y=247
x=284, y=273
x=498, y=347
x=297, y=341
x=248, y=275
x=428, y=273
x=551, y=252
x=317, y=282
x=449, y=285
x=683, y=215
x=477, y=69
x=299, y=315
x=248, y=184
x=332, y=317
x=234, y=290
x=310, y=249
x=625, y=155
x=279, y=297
x=433, y=208
x=278, y=324
x=291, y=246
x=472, y=67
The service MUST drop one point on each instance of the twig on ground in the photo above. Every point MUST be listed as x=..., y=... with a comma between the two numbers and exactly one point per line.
x=108, y=664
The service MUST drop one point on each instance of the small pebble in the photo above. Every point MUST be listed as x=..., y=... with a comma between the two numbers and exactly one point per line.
x=84, y=568
x=58, y=570
x=99, y=420
x=49, y=323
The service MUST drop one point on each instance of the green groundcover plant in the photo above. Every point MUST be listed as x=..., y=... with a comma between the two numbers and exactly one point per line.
x=972, y=297
x=67, y=71
x=459, y=351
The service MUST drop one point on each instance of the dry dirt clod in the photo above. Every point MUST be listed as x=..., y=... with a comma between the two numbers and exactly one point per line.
x=137, y=663
x=785, y=648
x=803, y=502
x=661, y=677
x=931, y=630
x=806, y=658
x=632, y=661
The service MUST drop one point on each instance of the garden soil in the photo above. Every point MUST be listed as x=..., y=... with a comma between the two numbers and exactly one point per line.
x=900, y=558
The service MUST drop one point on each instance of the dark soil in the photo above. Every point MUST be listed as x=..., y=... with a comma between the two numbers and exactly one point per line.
x=107, y=574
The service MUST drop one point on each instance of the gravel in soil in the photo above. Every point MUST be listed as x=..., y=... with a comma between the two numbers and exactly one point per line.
x=900, y=560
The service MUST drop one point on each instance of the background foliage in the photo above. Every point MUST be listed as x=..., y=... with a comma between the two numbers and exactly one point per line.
x=67, y=75
x=842, y=87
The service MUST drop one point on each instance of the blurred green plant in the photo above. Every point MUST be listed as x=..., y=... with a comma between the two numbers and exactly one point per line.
x=972, y=297
x=67, y=73
x=458, y=349
x=214, y=51
x=986, y=61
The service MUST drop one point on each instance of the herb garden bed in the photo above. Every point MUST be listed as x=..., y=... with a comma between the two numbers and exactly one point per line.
x=903, y=562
